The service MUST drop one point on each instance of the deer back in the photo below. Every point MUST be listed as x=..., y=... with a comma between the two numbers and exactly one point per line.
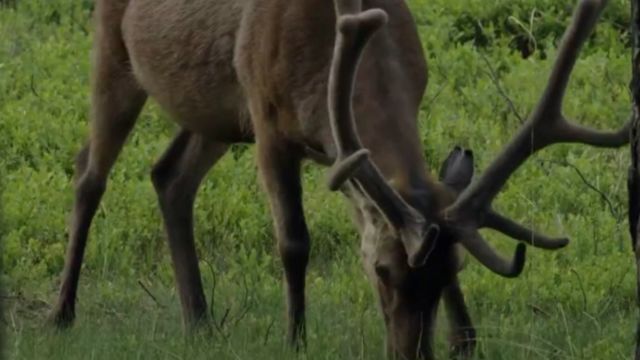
x=283, y=56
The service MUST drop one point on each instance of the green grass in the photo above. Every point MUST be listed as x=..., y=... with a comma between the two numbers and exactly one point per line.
x=577, y=303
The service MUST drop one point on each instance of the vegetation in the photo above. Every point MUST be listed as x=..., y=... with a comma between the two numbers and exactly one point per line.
x=488, y=63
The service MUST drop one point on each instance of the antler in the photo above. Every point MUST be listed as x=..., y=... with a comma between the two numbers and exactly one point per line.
x=354, y=31
x=546, y=126
x=456, y=174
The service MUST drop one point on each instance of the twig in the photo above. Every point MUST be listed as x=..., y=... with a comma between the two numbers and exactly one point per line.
x=435, y=96
x=527, y=30
x=224, y=317
x=616, y=285
x=33, y=87
x=219, y=327
x=496, y=82
x=604, y=197
x=213, y=289
x=75, y=22
x=246, y=304
x=539, y=311
x=584, y=293
x=150, y=294
x=268, y=332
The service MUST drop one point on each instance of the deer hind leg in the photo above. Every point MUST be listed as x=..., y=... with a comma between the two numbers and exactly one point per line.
x=176, y=178
x=463, y=334
x=279, y=165
x=117, y=100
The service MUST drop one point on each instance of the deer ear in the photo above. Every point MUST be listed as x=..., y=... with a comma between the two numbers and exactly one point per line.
x=457, y=170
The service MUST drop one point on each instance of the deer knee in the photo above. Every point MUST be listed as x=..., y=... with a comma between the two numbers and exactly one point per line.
x=90, y=188
x=295, y=254
x=82, y=161
x=173, y=192
x=160, y=178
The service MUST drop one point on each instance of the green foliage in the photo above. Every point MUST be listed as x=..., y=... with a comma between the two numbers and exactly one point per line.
x=577, y=303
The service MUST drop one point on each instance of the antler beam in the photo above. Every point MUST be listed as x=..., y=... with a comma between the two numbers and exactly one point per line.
x=354, y=31
x=546, y=126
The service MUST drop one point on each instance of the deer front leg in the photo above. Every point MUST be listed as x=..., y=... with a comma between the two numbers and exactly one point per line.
x=176, y=178
x=463, y=334
x=116, y=102
x=279, y=165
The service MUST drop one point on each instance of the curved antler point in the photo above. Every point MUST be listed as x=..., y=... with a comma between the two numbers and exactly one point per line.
x=372, y=19
x=562, y=242
x=344, y=168
x=519, y=260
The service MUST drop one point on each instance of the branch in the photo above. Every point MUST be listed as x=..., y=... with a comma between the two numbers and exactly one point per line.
x=155, y=300
x=604, y=196
x=496, y=82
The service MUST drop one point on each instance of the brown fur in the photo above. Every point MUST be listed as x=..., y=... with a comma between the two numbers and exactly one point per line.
x=257, y=71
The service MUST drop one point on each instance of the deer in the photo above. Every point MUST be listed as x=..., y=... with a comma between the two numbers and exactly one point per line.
x=338, y=84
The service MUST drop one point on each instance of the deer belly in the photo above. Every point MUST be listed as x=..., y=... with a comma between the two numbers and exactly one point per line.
x=185, y=62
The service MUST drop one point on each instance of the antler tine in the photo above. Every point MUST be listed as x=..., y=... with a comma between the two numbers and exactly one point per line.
x=456, y=173
x=582, y=24
x=352, y=160
x=546, y=125
x=496, y=221
x=354, y=31
x=481, y=250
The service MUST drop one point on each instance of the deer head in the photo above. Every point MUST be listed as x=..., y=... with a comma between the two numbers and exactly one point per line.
x=414, y=259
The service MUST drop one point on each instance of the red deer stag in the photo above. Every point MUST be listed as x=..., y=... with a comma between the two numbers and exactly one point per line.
x=283, y=74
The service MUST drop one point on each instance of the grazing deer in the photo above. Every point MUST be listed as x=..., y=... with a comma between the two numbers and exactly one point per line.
x=283, y=74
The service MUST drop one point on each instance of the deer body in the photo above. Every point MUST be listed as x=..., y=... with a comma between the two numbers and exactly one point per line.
x=181, y=54
x=283, y=74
